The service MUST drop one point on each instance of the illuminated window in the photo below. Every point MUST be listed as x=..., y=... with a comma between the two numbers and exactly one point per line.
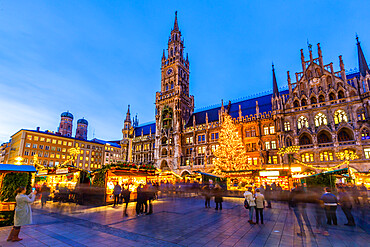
x=253, y=132
x=29, y=137
x=255, y=161
x=81, y=158
x=201, y=150
x=340, y=116
x=267, y=145
x=69, y=143
x=63, y=156
x=367, y=153
x=272, y=130
x=302, y=122
x=51, y=163
x=28, y=145
x=287, y=126
x=187, y=162
x=52, y=155
x=265, y=130
x=307, y=157
x=54, y=141
x=64, y=143
x=35, y=138
x=42, y=139
x=365, y=134
x=326, y=156
x=275, y=159
x=361, y=114
x=87, y=158
x=64, y=150
x=57, y=156
x=48, y=140
x=214, y=147
x=320, y=119
x=250, y=161
x=273, y=144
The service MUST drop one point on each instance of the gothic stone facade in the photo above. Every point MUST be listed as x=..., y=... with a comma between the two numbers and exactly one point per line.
x=323, y=112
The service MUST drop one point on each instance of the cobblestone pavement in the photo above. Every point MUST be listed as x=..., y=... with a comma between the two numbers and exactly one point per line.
x=176, y=222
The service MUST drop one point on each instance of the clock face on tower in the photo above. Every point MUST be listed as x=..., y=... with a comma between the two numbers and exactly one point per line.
x=169, y=71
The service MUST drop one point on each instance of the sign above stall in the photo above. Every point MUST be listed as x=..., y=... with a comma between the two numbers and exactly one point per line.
x=42, y=172
x=269, y=173
x=61, y=171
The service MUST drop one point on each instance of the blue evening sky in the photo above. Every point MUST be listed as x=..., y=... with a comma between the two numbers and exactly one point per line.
x=94, y=58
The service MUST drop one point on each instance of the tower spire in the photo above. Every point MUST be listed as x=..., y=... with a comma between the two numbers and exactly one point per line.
x=128, y=115
x=274, y=83
x=361, y=60
x=175, y=25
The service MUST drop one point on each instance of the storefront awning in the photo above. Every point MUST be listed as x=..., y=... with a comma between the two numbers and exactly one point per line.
x=16, y=168
x=209, y=174
x=339, y=171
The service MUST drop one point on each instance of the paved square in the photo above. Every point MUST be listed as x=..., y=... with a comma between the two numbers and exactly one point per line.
x=177, y=222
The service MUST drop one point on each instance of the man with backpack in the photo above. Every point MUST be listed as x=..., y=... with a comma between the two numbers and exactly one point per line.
x=250, y=204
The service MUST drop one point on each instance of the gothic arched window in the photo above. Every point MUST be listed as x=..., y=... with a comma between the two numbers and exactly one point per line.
x=323, y=137
x=361, y=114
x=340, y=94
x=331, y=96
x=304, y=102
x=344, y=135
x=302, y=122
x=321, y=98
x=340, y=116
x=365, y=134
x=287, y=126
x=313, y=100
x=320, y=119
x=305, y=140
x=289, y=142
x=296, y=103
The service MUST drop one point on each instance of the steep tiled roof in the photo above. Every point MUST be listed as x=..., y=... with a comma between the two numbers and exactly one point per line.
x=145, y=128
x=248, y=107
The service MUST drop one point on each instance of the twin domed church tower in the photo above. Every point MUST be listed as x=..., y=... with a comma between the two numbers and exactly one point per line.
x=65, y=126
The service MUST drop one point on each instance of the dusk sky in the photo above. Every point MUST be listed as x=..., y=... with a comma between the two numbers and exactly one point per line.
x=94, y=58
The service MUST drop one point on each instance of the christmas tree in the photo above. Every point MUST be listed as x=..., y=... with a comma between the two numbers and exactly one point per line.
x=230, y=154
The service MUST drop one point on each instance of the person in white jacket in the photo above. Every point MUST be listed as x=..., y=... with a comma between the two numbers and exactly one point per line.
x=252, y=204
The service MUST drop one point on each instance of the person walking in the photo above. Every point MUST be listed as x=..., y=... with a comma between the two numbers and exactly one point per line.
x=126, y=197
x=22, y=213
x=116, y=193
x=330, y=203
x=251, y=203
x=151, y=197
x=139, y=199
x=45, y=192
x=268, y=192
x=207, y=195
x=346, y=205
x=218, y=196
x=260, y=204
x=296, y=202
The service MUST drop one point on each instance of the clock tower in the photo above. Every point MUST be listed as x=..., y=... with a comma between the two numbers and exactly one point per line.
x=173, y=103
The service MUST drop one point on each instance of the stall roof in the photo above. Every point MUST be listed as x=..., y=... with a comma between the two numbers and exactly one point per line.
x=16, y=168
x=339, y=171
x=210, y=174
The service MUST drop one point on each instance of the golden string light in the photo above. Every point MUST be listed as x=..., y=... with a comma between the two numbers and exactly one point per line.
x=288, y=150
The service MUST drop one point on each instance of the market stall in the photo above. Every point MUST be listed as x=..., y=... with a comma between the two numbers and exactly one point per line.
x=62, y=182
x=164, y=177
x=11, y=177
x=362, y=178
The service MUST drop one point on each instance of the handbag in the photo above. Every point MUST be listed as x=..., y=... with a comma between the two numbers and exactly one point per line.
x=246, y=204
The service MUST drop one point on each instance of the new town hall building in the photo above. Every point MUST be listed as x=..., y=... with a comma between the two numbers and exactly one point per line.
x=324, y=111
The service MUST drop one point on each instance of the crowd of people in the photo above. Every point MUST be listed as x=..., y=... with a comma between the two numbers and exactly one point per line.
x=323, y=202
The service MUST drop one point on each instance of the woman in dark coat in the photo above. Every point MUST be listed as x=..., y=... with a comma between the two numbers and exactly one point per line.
x=218, y=196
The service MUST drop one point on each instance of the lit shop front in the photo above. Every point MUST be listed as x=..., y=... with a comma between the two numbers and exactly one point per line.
x=164, y=177
x=132, y=178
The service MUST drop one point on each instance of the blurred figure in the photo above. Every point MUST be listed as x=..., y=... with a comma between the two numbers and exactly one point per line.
x=260, y=204
x=319, y=213
x=45, y=192
x=218, y=196
x=139, y=199
x=206, y=190
x=297, y=203
x=355, y=194
x=268, y=191
x=273, y=191
x=126, y=197
x=346, y=205
x=144, y=204
x=150, y=197
x=330, y=203
x=116, y=193
x=363, y=194
x=252, y=204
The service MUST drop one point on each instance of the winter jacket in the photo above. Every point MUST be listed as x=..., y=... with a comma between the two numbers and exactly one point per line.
x=23, y=212
x=249, y=197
